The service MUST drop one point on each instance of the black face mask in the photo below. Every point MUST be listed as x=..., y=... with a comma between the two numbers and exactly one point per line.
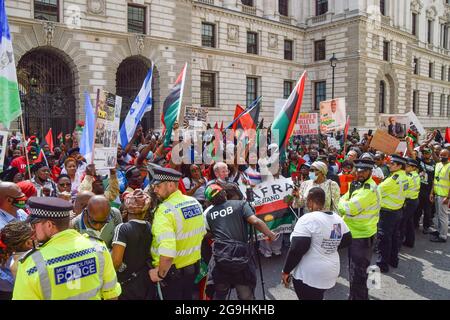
x=444, y=160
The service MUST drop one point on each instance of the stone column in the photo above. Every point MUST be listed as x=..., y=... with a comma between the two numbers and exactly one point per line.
x=270, y=8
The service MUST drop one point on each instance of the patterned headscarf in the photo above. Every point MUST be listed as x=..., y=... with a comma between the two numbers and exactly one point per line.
x=137, y=202
x=322, y=167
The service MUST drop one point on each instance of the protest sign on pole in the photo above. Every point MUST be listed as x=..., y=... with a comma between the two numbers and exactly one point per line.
x=332, y=115
x=271, y=207
x=382, y=141
x=3, y=147
x=106, y=129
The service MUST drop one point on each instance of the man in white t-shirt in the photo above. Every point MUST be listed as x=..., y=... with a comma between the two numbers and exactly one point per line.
x=313, y=258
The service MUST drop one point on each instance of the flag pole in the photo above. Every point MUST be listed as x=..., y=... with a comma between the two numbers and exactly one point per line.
x=95, y=125
x=181, y=90
x=26, y=145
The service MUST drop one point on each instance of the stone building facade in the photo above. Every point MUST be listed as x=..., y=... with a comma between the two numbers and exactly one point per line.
x=382, y=66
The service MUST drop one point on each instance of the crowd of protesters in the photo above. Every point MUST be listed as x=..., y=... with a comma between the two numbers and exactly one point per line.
x=119, y=207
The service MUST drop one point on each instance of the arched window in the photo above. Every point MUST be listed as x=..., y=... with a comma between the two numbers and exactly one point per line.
x=46, y=87
x=382, y=98
x=129, y=78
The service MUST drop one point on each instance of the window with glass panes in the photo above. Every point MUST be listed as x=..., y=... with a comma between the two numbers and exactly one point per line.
x=382, y=98
x=287, y=88
x=247, y=3
x=429, y=31
x=430, y=104
x=136, y=19
x=448, y=106
x=208, y=35
x=208, y=89
x=46, y=10
x=321, y=7
x=414, y=23
x=320, y=93
x=430, y=69
x=319, y=50
x=415, y=101
x=416, y=66
x=283, y=7
x=288, y=45
x=252, y=90
x=386, y=46
x=442, y=108
x=383, y=7
x=443, y=73
x=252, y=42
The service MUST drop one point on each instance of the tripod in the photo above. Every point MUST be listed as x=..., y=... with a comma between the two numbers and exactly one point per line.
x=250, y=199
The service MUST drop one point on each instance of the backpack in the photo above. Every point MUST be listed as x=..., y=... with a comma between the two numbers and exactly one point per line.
x=231, y=256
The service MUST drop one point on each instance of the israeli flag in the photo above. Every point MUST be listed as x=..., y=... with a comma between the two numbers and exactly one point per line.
x=87, y=137
x=141, y=104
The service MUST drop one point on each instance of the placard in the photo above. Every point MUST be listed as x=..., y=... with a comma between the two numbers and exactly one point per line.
x=106, y=129
x=383, y=141
x=332, y=115
x=195, y=117
x=397, y=125
x=307, y=124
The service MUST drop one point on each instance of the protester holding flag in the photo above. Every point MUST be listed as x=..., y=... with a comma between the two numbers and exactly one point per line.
x=172, y=105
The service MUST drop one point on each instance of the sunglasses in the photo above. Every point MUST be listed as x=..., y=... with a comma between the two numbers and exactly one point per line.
x=92, y=221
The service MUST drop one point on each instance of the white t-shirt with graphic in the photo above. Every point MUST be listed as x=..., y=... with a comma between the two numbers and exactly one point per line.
x=319, y=267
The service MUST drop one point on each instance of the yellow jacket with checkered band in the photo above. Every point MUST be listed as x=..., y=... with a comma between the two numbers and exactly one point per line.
x=69, y=266
x=178, y=229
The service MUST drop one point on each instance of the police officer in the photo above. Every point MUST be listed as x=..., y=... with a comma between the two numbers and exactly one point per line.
x=360, y=207
x=440, y=195
x=178, y=229
x=393, y=195
x=67, y=265
x=407, y=232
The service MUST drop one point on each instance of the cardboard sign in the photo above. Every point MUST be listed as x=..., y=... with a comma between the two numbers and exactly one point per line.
x=332, y=115
x=106, y=134
x=383, y=141
x=307, y=124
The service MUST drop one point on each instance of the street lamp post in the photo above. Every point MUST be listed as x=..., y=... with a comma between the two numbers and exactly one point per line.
x=333, y=61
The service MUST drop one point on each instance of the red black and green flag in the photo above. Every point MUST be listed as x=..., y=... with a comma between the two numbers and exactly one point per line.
x=286, y=119
x=171, y=107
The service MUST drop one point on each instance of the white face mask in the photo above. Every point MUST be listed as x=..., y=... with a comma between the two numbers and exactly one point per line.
x=312, y=176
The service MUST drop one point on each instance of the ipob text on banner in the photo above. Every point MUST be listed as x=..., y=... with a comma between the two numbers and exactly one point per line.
x=271, y=206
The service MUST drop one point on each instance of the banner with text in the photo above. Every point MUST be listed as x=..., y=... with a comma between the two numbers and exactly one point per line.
x=307, y=124
x=271, y=207
x=106, y=129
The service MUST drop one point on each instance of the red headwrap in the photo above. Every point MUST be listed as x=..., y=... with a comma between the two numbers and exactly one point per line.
x=27, y=188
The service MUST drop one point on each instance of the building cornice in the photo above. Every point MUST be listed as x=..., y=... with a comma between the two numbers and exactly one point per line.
x=425, y=51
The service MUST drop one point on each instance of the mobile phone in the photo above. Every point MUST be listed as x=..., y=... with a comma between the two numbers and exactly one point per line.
x=370, y=132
